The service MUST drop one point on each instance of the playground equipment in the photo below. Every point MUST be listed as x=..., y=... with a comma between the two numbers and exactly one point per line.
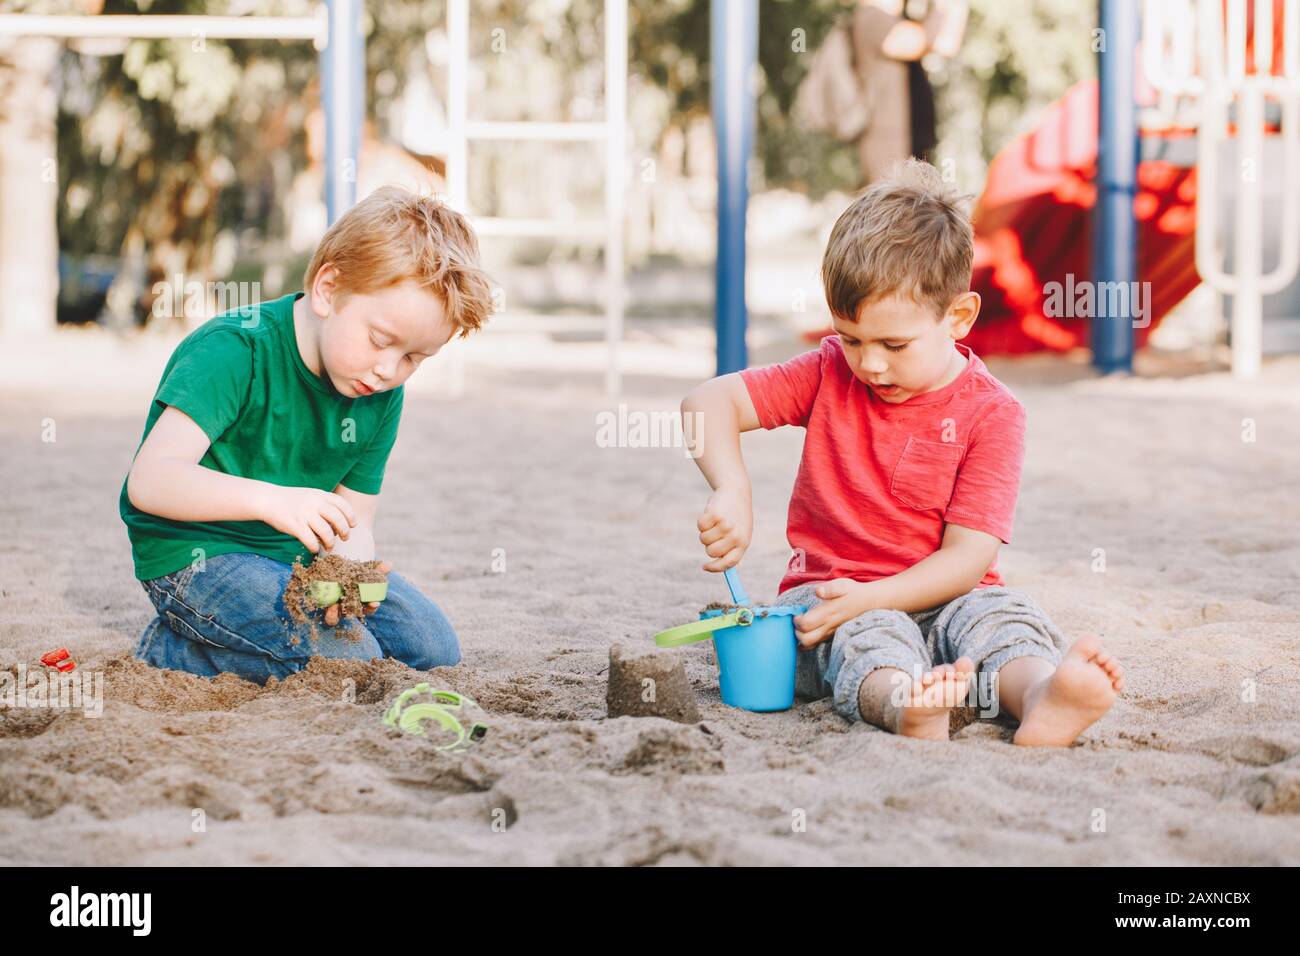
x=335, y=32
x=1191, y=52
x=1114, y=232
x=612, y=132
x=1236, y=65
x=733, y=42
x=1155, y=217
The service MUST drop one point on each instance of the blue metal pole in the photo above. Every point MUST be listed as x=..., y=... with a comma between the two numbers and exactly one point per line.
x=1114, y=228
x=734, y=42
x=343, y=73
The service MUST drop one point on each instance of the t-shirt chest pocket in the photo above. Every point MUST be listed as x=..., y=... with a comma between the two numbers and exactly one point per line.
x=925, y=473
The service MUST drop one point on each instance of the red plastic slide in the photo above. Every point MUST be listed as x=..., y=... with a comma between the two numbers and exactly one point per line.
x=1033, y=227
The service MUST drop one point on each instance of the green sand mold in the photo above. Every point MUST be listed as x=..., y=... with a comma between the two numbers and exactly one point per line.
x=331, y=592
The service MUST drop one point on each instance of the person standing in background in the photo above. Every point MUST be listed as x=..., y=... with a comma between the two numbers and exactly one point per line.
x=888, y=45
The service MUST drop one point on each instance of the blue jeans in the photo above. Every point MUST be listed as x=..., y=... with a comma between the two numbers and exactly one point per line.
x=230, y=617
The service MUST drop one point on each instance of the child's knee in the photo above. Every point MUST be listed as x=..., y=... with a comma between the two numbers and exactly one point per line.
x=435, y=645
x=872, y=641
x=989, y=626
x=163, y=646
x=416, y=632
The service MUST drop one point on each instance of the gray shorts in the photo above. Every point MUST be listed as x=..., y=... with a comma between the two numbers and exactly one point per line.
x=990, y=625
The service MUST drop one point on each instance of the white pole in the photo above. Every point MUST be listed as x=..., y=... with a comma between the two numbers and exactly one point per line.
x=1263, y=37
x=1225, y=79
x=457, y=105
x=457, y=146
x=1247, y=304
x=130, y=26
x=532, y=130
x=314, y=28
x=343, y=86
x=1236, y=41
x=615, y=159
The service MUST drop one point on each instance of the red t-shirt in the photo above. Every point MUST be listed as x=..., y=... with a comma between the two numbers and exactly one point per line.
x=878, y=482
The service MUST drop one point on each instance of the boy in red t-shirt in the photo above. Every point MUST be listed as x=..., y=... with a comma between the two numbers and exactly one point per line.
x=906, y=489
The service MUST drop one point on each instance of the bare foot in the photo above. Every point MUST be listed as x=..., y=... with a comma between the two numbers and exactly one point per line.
x=925, y=708
x=1060, y=707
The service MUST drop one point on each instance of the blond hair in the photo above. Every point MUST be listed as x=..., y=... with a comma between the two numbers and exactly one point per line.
x=393, y=235
x=908, y=235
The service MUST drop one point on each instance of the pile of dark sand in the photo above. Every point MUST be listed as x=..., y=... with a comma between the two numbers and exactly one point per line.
x=759, y=609
x=302, y=606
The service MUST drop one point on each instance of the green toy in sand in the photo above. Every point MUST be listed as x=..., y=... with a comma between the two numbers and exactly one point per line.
x=410, y=716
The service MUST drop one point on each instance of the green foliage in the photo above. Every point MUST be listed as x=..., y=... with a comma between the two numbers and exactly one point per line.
x=789, y=33
x=174, y=141
x=1016, y=58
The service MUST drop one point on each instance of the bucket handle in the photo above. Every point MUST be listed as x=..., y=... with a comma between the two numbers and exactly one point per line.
x=700, y=630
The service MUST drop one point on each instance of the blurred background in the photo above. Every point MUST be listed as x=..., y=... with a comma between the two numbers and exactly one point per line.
x=208, y=162
x=126, y=163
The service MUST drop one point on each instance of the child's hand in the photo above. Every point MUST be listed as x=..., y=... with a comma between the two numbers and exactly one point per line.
x=332, y=612
x=312, y=516
x=725, y=528
x=842, y=600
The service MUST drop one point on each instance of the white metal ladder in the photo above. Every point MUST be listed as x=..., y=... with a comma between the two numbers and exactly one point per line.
x=1173, y=35
x=613, y=131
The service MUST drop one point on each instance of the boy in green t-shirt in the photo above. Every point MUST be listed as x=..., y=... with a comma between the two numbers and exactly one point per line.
x=267, y=439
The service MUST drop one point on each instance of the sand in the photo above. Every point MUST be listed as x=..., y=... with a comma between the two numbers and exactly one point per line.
x=544, y=549
x=302, y=605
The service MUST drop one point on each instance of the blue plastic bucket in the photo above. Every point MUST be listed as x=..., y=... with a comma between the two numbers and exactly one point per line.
x=756, y=651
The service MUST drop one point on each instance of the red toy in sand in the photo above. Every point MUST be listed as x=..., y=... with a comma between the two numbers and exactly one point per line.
x=60, y=660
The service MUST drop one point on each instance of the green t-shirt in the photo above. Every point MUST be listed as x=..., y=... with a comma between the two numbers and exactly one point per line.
x=241, y=378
